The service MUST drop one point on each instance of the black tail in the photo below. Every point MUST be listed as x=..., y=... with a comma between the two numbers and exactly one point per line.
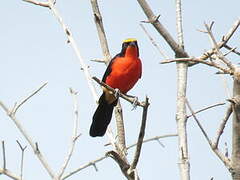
x=101, y=117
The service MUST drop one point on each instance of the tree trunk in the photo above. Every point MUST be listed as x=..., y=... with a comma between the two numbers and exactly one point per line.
x=236, y=132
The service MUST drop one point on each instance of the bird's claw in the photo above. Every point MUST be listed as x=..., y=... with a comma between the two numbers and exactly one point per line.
x=117, y=93
x=135, y=103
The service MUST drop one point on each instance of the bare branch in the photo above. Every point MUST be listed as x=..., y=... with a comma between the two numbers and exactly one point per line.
x=126, y=97
x=120, y=130
x=179, y=23
x=18, y=105
x=22, y=157
x=75, y=134
x=43, y=4
x=224, y=159
x=4, y=155
x=161, y=29
x=199, y=124
x=101, y=32
x=140, y=136
x=218, y=53
x=222, y=126
x=232, y=49
x=153, y=42
x=71, y=41
x=197, y=60
x=91, y=163
x=156, y=138
x=206, y=108
x=9, y=174
x=28, y=138
x=224, y=41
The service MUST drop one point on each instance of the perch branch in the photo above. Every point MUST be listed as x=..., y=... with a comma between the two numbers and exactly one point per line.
x=140, y=136
x=126, y=97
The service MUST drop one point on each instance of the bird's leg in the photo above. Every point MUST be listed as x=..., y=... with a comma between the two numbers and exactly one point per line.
x=135, y=101
x=117, y=93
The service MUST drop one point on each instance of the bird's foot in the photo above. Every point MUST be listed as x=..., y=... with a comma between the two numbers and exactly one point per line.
x=117, y=93
x=135, y=103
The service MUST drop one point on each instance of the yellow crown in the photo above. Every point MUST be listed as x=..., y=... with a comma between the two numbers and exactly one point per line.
x=129, y=40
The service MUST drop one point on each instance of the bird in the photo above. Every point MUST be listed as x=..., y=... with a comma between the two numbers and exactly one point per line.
x=122, y=73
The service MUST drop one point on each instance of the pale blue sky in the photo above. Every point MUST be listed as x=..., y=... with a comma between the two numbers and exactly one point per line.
x=34, y=50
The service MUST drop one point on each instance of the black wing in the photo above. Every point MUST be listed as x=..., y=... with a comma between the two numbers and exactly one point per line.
x=109, y=68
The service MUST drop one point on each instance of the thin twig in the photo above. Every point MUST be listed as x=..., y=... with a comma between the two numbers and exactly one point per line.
x=92, y=163
x=224, y=40
x=9, y=174
x=197, y=60
x=224, y=159
x=4, y=155
x=197, y=121
x=232, y=49
x=154, y=43
x=222, y=126
x=18, y=105
x=141, y=136
x=28, y=138
x=126, y=97
x=206, y=108
x=72, y=42
x=43, y=4
x=161, y=29
x=218, y=53
x=75, y=134
x=100, y=30
x=156, y=138
x=22, y=157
